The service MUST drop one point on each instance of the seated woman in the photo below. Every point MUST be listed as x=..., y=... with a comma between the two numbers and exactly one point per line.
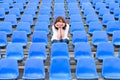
x=60, y=30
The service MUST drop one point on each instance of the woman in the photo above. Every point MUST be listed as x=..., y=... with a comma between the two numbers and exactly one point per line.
x=60, y=30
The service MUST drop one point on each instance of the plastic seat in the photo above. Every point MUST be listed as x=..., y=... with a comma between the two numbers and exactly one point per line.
x=3, y=39
x=106, y=18
x=88, y=11
x=38, y=51
x=16, y=37
x=94, y=26
x=99, y=5
x=27, y=18
x=107, y=2
x=60, y=72
x=21, y=1
x=10, y=2
x=59, y=50
x=79, y=36
x=91, y=18
x=112, y=6
x=59, y=1
x=24, y=26
x=103, y=11
x=33, y=5
x=112, y=26
x=15, y=11
x=30, y=11
x=99, y=37
x=75, y=18
x=116, y=38
x=116, y=12
x=44, y=11
x=15, y=51
x=105, y=50
x=86, y=69
x=42, y=26
x=94, y=2
x=11, y=18
x=40, y=37
x=34, y=69
x=2, y=13
x=76, y=26
x=20, y=6
x=6, y=27
x=44, y=18
x=5, y=6
x=74, y=11
x=82, y=50
x=110, y=68
x=8, y=69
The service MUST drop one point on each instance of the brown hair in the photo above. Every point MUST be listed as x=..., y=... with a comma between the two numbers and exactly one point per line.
x=58, y=20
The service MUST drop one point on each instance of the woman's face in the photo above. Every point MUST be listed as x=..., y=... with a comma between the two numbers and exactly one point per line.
x=60, y=24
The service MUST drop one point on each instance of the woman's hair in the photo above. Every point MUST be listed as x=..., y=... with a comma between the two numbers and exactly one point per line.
x=58, y=19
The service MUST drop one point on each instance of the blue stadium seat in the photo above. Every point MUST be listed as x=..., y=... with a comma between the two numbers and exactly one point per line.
x=38, y=51
x=2, y=13
x=3, y=39
x=82, y=50
x=103, y=11
x=105, y=50
x=88, y=11
x=11, y=18
x=33, y=5
x=91, y=18
x=44, y=11
x=40, y=37
x=8, y=69
x=59, y=13
x=116, y=12
x=94, y=2
x=59, y=50
x=106, y=18
x=15, y=51
x=30, y=11
x=21, y=1
x=112, y=26
x=24, y=26
x=35, y=1
x=15, y=11
x=42, y=26
x=20, y=6
x=34, y=69
x=72, y=5
x=6, y=27
x=44, y=18
x=5, y=6
x=75, y=18
x=83, y=1
x=94, y=26
x=16, y=37
x=27, y=18
x=116, y=38
x=76, y=26
x=10, y=2
x=79, y=36
x=112, y=6
x=86, y=69
x=59, y=1
x=99, y=37
x=99, y=5
x=73, y=11
x=60, y=72
x=111, y=69
x=86, y=5
x=107, y=2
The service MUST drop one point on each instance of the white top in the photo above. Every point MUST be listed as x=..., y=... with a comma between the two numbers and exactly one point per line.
x=55, y=32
